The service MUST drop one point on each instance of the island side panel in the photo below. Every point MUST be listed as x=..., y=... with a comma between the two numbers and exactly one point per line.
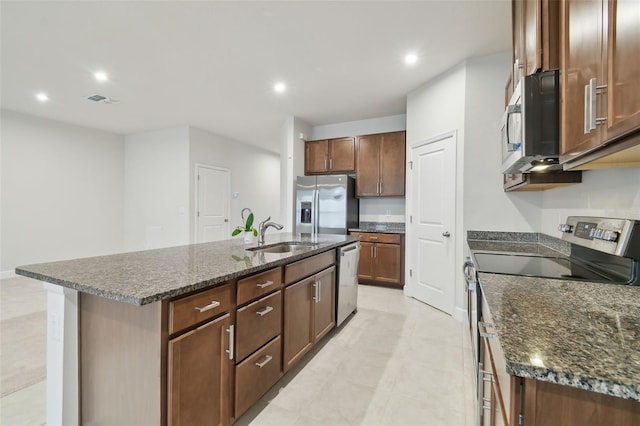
x=121, y=365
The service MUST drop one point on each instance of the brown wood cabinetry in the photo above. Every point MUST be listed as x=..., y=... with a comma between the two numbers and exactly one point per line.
x=309, y=314
x=380, y=165
x=329, y=156
x=535, y=37
x=381, y=258
x=199, y=379
x=600, y=111
x=539, y=181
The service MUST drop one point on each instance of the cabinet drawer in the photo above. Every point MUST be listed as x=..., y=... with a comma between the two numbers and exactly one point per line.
x=373, y=237
x=298, y=270
x=258, y=323
x=256, y=285
x=198, y=307
x=256, y=374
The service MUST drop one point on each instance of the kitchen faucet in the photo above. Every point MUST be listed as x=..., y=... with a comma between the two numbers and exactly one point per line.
x=262, y=228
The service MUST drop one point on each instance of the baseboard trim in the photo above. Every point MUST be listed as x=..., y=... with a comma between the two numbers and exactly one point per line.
x=7, y=274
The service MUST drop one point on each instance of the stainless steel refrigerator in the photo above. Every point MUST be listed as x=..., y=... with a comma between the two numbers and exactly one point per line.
x=326, y=204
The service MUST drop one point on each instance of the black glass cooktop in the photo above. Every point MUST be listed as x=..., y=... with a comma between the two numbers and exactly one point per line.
x=536, y=266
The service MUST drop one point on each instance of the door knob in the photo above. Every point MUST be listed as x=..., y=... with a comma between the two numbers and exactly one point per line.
x=226, y=220
x=446, y=234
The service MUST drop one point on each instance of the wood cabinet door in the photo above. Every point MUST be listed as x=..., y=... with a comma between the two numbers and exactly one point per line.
x=517, y=33
x=324, y=308
x=387, y=263
x=623, y=54
x=368, y=166
x=342, y=155
x=365, y=264
x=298, y=321
x=199, y=379
x=392, y=164
x=532, y=36
x=316, y=156
x=581, y=60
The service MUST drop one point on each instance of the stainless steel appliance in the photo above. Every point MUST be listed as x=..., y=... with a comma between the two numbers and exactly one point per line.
x=326, y=204
x=531, y=125
x=471, y=283
x=605, y=250
x=347, y=291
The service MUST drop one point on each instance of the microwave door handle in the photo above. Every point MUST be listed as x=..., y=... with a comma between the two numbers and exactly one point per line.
x=512, y=109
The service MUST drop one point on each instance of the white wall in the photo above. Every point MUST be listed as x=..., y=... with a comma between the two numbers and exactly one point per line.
x=609, y=193
x=371, y=209
x=62, y=191
x=255, y=175
x=486, y=206
x=291, y=166
x=156, y=175
x=391, y=123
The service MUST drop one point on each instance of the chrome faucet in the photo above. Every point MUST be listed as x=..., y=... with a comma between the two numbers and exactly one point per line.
x=262, y=228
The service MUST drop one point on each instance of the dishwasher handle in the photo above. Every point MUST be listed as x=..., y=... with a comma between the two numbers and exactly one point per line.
x=349, y=248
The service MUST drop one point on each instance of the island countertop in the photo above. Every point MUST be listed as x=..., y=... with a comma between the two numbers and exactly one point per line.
x=574, y=333
x=148, y=276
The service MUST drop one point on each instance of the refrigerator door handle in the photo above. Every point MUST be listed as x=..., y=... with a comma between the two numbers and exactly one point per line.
x=316, y=212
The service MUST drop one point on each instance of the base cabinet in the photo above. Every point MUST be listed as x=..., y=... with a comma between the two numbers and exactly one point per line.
x=199, y=379
x=381, y=258
x=309, y=314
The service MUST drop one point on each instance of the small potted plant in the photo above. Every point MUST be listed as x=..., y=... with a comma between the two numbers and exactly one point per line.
x=248, y=229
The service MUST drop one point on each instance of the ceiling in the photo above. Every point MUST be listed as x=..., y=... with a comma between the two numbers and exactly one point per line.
x=213, y=64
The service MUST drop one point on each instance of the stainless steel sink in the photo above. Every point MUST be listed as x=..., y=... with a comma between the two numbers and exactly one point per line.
x=286, y=247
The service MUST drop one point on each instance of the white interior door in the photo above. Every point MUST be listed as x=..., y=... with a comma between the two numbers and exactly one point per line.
x=430, y=239
x=212, y=207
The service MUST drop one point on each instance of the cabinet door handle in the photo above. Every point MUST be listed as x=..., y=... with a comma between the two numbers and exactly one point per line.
x=264, y=284
x=593, y=87
x=267, y=359
x=487, y=335
x=231, y=341
x=485, y=324
x=331, y=163
x=587, y=110
x=213, y=304
x=325, y=164
x=380, y=192
x=375, y=251
x=319, y=291
x=264, y=312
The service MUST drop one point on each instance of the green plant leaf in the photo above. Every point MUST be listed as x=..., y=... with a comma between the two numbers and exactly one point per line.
x=249, y=223
x=255, y=232
x=235, y=232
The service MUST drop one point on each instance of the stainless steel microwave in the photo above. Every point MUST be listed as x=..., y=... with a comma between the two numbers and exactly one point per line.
x=530, y=128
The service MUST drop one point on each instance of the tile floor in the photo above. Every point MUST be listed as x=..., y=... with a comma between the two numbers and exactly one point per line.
x=396, y=362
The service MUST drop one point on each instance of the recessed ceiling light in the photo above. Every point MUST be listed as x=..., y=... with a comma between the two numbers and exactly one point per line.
x=101, y=76
x=279, y=87
x=42, y=97
x=411, y=59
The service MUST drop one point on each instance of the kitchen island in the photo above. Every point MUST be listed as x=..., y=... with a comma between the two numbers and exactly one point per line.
x=563, y=351
x=182, y=334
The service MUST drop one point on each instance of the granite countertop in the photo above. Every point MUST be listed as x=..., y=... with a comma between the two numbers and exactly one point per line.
x=148, y=276
x=380, y=227
x=574, y=333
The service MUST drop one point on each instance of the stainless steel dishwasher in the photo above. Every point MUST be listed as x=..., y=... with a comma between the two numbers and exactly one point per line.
x=347, y=293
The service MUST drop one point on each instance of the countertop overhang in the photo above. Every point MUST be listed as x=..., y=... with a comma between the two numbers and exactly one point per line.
x=149, y=276
x=575, y=333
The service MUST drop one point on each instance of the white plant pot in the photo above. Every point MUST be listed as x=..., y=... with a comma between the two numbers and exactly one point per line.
x=248, y=237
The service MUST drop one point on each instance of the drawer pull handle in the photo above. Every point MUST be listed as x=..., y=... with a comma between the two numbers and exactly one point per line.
x=210, y=306
x=264, y=312
x=373, y=238
x=486, y=324
x=267, y=359
x=487, y=335
x=265, y=284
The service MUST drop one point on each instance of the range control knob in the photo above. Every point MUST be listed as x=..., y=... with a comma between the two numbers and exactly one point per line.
x=564, y=227
x=611, y=235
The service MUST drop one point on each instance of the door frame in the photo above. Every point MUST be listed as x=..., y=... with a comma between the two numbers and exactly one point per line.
x=457, y=219
x=196, y=204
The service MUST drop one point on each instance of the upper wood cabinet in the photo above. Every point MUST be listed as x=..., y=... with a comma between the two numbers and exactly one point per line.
x=329, y=156
x=535, y=37
x=380, y=165
x=600, y=111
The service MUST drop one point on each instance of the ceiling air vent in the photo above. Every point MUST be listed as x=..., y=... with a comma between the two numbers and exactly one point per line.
x=102, y=99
